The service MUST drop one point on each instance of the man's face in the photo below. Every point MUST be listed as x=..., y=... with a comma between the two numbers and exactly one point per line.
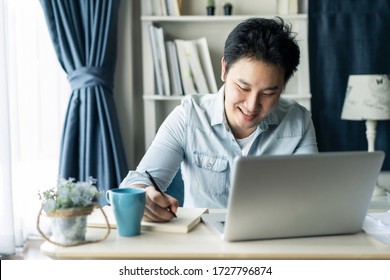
x=252, y=89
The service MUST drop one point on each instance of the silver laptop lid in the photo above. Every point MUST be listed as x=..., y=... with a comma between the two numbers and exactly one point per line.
x=300, y=195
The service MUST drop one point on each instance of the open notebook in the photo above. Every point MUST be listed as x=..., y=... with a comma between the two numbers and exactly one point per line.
x=187, y=219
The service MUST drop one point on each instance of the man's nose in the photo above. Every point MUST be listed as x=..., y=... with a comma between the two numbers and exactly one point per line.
x=252, y=102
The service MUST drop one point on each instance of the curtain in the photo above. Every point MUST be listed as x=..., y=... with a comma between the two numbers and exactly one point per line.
x=7, y=233
x=346, y=37
x=84, y=35
x=31, y=117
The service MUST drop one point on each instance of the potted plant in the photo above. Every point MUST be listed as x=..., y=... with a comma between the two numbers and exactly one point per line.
x=68, y=205
x=227, y=9
x=210, y=7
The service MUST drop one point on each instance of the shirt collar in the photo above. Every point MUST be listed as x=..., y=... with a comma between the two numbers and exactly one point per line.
x=218, y=114
x=271, y=119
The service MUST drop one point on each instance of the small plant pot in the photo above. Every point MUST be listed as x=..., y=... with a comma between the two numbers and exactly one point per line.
x=227, y=10
x=69, y=226
x=69, y=230
x=210, y=11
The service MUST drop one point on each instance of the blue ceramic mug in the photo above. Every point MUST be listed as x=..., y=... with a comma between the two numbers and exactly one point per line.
x=128, y=205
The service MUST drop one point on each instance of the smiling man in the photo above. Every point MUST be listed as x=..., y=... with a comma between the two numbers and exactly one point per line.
x=248, y=116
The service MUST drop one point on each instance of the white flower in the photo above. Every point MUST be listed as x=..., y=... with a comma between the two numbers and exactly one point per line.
x=69, y=194
x=49, y=205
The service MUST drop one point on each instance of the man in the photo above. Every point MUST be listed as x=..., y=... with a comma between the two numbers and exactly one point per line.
x=247, y=116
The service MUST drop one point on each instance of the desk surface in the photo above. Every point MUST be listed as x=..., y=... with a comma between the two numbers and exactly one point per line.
x=203, y=243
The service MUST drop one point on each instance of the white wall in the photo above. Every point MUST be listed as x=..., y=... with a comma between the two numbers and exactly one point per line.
x=128, y=85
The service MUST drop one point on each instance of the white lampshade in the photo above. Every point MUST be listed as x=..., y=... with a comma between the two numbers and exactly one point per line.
x=367, y=98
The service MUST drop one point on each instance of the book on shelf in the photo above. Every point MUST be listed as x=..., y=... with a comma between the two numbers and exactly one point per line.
x=156, y=36
x=187, y=219
x=192, y=75
x=156, y=60
x=163, y=56
x=181, y=67
x=165, y=7
x=173, y=7
x=173, y=69
x=288, y=7
x=205, y=60
x=195, y=65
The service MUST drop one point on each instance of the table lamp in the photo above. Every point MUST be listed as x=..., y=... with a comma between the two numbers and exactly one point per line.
x=368, y=98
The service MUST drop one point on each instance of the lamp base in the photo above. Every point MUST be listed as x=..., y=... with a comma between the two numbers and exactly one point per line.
x=371, y=135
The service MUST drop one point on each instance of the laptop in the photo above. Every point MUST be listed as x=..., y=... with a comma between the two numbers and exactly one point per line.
x=298, y=195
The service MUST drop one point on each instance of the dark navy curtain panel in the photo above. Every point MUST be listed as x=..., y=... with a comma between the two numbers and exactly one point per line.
x=84, y=35
x=346, y=37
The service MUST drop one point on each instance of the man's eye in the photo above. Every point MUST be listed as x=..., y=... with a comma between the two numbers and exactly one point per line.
x=269, y=93
x=243, y=89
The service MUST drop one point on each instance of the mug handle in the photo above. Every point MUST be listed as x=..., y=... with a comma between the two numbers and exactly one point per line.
x=108, y=196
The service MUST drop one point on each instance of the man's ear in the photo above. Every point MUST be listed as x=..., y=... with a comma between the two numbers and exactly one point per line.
x=223, y=69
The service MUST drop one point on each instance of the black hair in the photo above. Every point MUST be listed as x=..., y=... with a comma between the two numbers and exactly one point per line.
x=268, y=40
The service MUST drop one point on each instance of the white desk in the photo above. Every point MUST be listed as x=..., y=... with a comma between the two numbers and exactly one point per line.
x=202, y=243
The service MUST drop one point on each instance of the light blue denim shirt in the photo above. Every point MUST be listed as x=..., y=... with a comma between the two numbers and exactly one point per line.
x=196, y=137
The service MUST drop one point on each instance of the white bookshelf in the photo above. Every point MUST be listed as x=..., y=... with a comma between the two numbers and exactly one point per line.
x=193, y=24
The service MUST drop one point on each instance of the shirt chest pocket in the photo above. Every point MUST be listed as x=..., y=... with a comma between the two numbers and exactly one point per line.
x=212, y=173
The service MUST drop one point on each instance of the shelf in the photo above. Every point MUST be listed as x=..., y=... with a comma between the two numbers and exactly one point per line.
x=215, y=18
x=179, y=97
x=163, y=98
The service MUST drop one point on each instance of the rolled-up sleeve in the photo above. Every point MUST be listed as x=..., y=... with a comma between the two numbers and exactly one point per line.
x=165, y=154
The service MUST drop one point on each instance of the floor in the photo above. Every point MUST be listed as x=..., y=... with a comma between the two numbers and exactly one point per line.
x=30, y=251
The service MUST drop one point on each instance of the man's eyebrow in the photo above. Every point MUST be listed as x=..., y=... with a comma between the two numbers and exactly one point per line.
x=244, y=82
x=271, y=88
x=267, y=88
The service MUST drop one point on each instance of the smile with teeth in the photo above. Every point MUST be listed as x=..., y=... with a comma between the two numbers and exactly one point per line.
x=248, y=116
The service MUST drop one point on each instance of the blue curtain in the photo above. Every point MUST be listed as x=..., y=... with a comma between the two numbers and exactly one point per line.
x=84, y=35
x=346, y=37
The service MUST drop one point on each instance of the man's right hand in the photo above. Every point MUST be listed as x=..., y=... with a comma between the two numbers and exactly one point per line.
x=158, y=205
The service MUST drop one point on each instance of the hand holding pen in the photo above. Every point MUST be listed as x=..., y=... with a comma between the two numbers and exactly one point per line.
x=160, y=191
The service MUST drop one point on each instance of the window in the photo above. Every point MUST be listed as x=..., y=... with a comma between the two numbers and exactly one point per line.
x=38, y=93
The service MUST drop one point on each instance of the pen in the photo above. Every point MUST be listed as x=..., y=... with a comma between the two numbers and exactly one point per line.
x=158, y=189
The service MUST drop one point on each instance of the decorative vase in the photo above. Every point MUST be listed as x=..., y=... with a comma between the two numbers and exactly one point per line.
x=69, y=226
x=69, y=230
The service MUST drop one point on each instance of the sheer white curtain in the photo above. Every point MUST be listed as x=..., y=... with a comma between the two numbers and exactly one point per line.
x=37, y=94
x=7, y=240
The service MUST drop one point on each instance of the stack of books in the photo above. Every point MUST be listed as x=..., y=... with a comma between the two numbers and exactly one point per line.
x=165, y=7
x=181, y=67
x=288, y=7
